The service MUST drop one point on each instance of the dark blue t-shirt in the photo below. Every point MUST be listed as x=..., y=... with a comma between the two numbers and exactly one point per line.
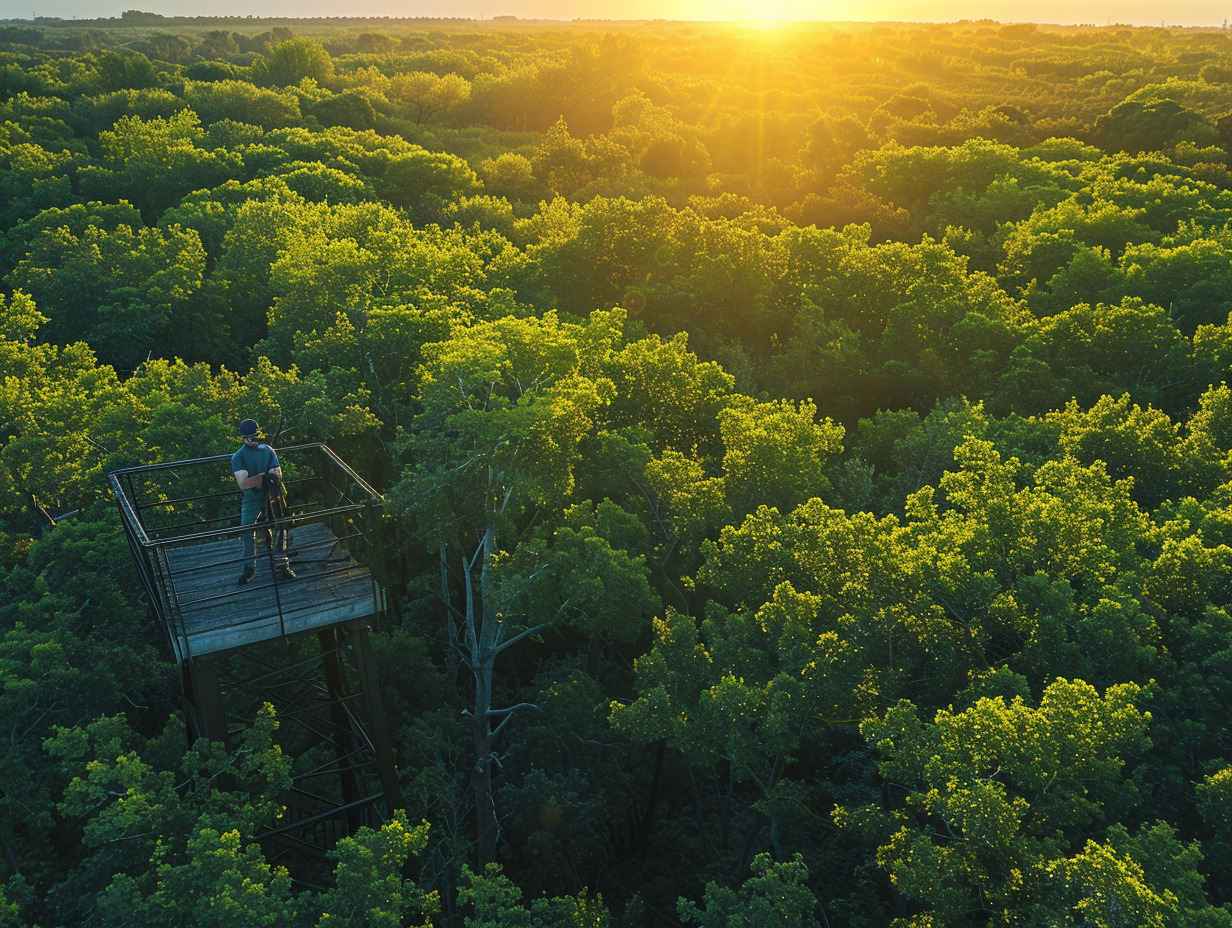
x=258, y=460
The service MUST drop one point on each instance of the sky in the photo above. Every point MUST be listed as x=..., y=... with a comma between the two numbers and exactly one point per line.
x=1096, y=12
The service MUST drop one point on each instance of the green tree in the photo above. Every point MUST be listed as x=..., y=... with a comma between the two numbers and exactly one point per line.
x=425, y=181
x=128, y=292
x=776, y=453
x=1191, y=279
x=161, y=854
x=292, y=61
x=1038, y=247
x=120, y=70
x=491, y=900
x=154, y=162
x=214, y=101
x=35, y=178
x=352, y=259
x=664, y=387
x=505, y=405
x=1005, y=782
x=174, y=49
x=1150, y=878
x=1150, y=125
x=369, y=888
x=1133, y=442
x=585, y=577
x=908, y=452
x=775, y=893
x=511, y=175
x=427, y=95
x=1089, y=351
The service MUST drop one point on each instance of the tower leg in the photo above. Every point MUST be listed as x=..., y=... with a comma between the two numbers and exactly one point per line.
x=344, y=734
x=381, y=742
x=205, y=697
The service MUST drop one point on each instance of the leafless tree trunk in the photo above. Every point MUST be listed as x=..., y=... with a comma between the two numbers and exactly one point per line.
x=482, y=640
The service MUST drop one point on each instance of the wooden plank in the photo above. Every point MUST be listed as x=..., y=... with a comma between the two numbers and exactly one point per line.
x=215, y=613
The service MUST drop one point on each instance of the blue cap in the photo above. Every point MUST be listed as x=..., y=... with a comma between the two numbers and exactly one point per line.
x=249, y=428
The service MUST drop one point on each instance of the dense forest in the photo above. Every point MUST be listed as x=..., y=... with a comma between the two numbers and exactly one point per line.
x=840, y=410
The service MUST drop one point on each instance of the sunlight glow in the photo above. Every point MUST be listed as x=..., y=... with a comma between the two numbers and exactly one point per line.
x=768, y=14
x=771, y=15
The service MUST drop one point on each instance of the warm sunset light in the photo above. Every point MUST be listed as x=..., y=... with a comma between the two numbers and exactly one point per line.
x=615, y=463
x=1206, y=13
x=769, y=15
x=772, y=13
x=1097, y=12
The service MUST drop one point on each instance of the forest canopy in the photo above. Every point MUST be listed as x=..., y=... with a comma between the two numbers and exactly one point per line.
x=835, y=420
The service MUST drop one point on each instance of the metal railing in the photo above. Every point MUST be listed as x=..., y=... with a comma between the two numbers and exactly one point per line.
x=182, y=522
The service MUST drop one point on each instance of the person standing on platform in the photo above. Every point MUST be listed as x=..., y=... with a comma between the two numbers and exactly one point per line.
x=252, y=465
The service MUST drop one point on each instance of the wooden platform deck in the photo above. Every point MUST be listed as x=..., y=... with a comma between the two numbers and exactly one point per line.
x=216, y=614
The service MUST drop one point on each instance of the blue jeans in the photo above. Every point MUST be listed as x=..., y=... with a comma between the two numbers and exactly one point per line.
x=250, y=508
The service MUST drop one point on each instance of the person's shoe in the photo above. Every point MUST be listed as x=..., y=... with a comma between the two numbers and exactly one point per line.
x=286, y=573
x=249, y=574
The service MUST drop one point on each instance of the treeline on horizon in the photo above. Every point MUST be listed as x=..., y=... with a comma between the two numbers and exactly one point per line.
x=143, y=20
x=844, y=407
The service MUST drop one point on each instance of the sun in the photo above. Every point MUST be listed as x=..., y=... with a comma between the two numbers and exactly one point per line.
x=774, y=14
x=770, y=15
x=767, y=15
x=767, y=22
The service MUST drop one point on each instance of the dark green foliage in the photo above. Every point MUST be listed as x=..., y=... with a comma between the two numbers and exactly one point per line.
x=1154, y=125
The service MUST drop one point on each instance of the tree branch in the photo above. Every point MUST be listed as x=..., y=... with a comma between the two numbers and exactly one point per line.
x=542, y=626
x=34, y=504
x=522, y=705
x=472, y=640
x=508, y=713
x=470, y=565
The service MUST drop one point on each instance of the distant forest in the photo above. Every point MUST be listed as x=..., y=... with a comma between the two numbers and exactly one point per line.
x=843, y=407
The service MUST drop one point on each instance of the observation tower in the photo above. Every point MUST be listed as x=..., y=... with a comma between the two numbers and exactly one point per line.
x=301, y=644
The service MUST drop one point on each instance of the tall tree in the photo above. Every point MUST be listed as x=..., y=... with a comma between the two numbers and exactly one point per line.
x=505, y=407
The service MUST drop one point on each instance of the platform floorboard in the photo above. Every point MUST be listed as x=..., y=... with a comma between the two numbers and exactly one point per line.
x=217, y=614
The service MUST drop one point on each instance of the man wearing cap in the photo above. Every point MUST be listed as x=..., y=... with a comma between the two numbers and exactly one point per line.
x=250, y=465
